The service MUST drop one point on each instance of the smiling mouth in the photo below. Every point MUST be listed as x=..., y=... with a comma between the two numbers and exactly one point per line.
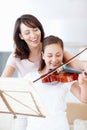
x=54, y=65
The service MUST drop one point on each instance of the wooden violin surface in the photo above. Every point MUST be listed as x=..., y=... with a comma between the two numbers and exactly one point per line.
x=60, y=77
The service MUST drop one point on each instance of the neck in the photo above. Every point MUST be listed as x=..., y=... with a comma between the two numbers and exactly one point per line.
x=44, y=71
x=35, y=54
x=36, y=49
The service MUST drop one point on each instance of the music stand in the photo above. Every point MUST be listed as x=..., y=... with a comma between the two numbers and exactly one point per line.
x=18, y=96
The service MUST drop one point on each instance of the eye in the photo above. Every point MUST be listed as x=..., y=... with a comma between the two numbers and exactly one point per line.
x=58, y=55
x=27, y=33
x=49, y=55
x=36, y=29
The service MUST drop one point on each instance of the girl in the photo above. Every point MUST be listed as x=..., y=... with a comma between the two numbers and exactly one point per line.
x=54, y=93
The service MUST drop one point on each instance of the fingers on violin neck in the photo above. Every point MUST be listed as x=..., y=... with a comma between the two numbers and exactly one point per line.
x=59, y=69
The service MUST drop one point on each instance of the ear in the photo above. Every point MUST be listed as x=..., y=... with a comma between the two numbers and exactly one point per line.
x=42, y=55
x=20, y=35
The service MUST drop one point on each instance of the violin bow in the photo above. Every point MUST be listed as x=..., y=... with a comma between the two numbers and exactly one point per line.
x=59, y=67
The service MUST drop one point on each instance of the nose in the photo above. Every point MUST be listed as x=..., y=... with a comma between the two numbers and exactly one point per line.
x=32, y=34
x=54, y=59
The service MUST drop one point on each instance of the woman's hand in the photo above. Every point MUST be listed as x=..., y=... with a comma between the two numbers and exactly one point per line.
x=82, y=79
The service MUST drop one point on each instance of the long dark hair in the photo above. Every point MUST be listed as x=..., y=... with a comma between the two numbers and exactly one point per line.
x=48, y=41
x=21, y=48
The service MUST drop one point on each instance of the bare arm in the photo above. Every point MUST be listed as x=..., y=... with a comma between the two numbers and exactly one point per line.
x=8, y=71
x=76, y=63
x=79, y=89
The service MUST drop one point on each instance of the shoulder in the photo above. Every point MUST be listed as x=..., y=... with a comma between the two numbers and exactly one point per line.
x=67, y=56
x=12, y=56
x=12, y=59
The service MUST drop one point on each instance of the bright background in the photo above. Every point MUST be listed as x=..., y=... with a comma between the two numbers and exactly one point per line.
x=64, y=18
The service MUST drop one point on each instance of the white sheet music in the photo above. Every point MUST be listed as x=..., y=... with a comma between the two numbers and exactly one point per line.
x=18, y=96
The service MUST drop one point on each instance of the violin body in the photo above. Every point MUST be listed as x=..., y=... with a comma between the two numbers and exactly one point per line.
x=60, y=77
x=67, y=74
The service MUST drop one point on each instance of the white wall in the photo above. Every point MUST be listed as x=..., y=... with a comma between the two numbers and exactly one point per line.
x=65, y=18
x=71, y=31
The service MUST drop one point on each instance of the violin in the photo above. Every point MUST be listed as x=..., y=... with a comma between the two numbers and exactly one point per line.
x=66, y=75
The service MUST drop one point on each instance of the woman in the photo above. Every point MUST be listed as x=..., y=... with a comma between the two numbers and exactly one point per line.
x=28, y=37
x=54, y=93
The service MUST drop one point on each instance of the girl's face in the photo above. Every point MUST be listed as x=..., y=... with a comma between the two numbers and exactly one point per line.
x=32, y=36
x=53, y=56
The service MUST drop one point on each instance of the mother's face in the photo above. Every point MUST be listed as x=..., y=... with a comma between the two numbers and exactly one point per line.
x=32, y=36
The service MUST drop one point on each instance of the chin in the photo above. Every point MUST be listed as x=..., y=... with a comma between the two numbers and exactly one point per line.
x=52, y=68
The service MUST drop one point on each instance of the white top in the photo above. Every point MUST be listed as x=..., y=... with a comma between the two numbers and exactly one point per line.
x=54, y=97
x=22, y=66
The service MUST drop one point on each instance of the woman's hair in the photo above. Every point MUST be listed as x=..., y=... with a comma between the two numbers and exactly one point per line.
x=21, y=48
x=48, y=41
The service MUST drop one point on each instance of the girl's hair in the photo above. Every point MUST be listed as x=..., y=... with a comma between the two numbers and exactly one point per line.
x=21, y=48
x=48, y=41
